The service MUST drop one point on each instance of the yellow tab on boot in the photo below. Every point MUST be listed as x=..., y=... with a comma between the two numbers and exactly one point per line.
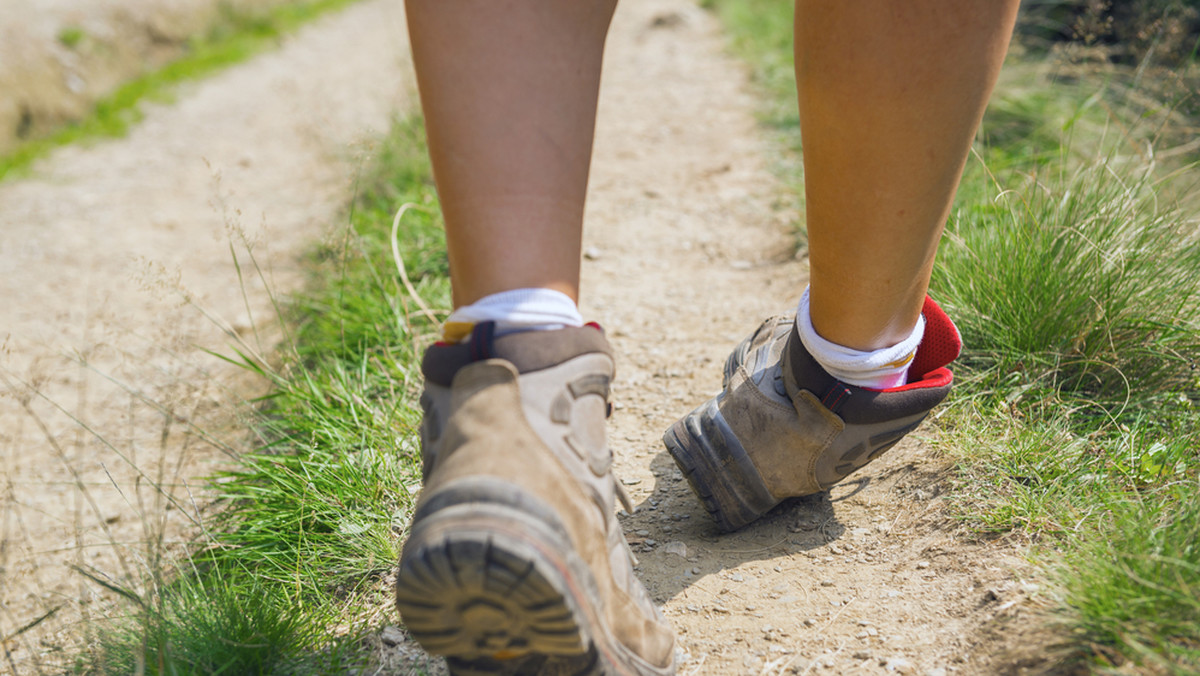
x=456, y=332
x=903, y=361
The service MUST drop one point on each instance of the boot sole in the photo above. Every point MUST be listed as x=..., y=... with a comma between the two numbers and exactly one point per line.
x=497, y=591
x=718, y=468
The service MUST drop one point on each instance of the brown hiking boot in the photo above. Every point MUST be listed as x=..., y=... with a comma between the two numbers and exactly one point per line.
x=783, y=427
x=515, y=562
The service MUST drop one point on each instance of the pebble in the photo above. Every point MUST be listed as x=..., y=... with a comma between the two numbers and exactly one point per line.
x=391, y=635
x=899, y=665
x=810, y=622
x=939, y=671
x=696, y=571
x=592, y=253
x=826, y=583
x=676, y=548
x=650, y=543
x=922, y=564
x=643, y=533
x=862, y=654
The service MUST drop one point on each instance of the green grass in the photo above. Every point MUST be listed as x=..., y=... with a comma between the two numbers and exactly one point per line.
x=1072, y=268
x=1134, y=580
x=1085, y=280
x=290, y=574
x=235, y=38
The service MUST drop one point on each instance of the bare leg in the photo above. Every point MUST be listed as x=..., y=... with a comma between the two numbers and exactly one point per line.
x=891, y=94
x=509, y=91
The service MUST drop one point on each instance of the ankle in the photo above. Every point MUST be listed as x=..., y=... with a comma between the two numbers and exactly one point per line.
x=880, y=369
x=533, y=309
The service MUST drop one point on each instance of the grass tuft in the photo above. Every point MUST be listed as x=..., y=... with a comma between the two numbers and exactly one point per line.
x=1085, y=282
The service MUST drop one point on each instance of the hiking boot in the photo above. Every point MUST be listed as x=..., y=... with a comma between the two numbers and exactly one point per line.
x=783, y=427
x=515, y=562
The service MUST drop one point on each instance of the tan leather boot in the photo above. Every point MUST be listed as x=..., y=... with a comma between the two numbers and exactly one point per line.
x=516, y=562
x=783, y=427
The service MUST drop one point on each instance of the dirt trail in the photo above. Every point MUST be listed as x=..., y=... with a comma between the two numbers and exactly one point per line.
x=688, y=249
x=96, y=249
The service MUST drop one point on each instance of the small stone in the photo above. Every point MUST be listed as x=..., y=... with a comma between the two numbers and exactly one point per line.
x=810, y=622
x=592, y=253
x=826, y=583
x=631, y=482
x=862, y=654
x=900, y=665
x=677, y=548
x=391, y=635
x=872, y=631
x=864, y=623
x=937, y=671
x=751, y=608
x=643, y=533
x=650, y=543
x=922, y=564
x=696, y=571
x=835, y=549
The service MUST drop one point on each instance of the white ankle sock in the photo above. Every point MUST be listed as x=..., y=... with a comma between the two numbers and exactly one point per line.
x=516, y=310
x=877, y=370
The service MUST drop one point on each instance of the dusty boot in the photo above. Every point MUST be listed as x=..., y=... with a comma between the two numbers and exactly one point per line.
x=516, y=562
x=783, y=427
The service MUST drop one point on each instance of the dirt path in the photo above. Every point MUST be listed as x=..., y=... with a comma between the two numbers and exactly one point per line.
x=688, y=249
x=96, y=249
